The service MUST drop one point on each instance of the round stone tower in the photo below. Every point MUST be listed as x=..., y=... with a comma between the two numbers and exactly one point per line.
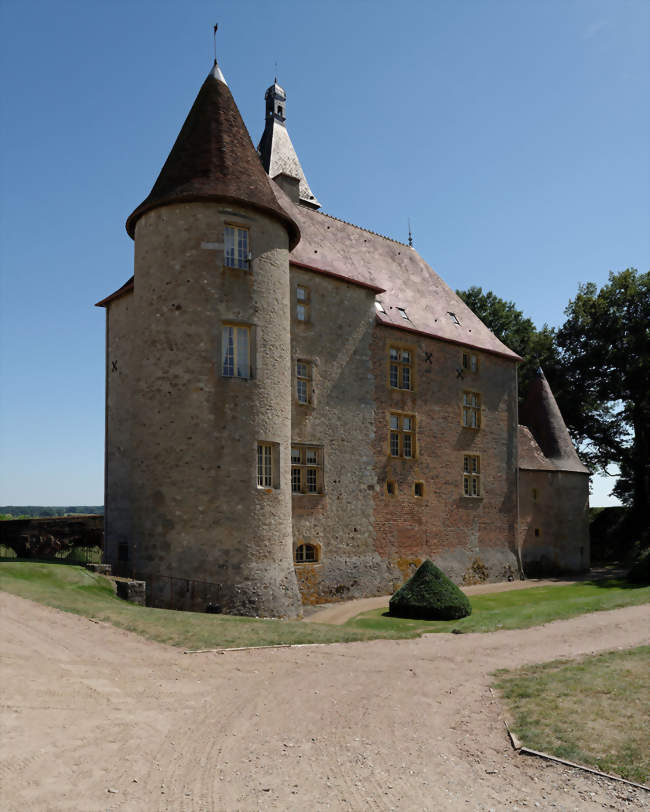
x=210, y=426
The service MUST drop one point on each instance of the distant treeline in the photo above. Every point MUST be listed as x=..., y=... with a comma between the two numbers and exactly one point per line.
x=44, y=511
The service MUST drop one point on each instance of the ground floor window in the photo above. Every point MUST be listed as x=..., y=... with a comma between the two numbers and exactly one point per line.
x=306, y=469
x=402, y=435
x=471, y=475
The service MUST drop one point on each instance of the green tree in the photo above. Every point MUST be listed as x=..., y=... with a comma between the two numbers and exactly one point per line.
x=508, y=323
x=605, y=352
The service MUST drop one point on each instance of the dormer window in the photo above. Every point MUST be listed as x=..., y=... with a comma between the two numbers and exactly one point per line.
x=402, y=313
x=379, y=307
x=453, y=317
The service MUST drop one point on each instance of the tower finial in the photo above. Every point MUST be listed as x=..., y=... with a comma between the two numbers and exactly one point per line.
x=410, y=235
x=214, y=41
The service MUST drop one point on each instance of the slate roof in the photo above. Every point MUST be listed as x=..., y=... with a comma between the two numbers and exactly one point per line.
x=354, y=254
x=214, y=159
x=278, y=157
x=541, y=414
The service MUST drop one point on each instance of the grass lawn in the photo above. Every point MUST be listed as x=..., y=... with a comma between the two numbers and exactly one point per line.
x=518, y=609
x=74, y=589
x=593, y=711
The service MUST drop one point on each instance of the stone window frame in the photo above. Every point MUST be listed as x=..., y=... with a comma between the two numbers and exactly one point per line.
x=399, y=433
x=240, y=259
x=303, y=304
x=470, y=361
x=418, y=485
x=310, y=479
x=472, y=473
x=399, y=347
x=307, y=379
x=306, y=548
x=471, y=409
x=250, y=329
x=268, y=465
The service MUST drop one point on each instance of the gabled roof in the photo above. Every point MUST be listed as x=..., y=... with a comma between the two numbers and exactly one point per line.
x=127, y=287
x=415, y=298
x=541, y=414
x=214, y=159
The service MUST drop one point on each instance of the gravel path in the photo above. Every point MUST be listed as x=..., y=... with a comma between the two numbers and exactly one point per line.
x=95, y=718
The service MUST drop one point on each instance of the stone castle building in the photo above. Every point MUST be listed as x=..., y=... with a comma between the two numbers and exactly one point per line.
x=299, y=410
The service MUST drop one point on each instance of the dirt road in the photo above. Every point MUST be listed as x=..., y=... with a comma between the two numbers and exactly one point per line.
x=94, y=718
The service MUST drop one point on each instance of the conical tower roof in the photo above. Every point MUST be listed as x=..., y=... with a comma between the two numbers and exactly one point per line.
x=214, y=159
x=542, y=415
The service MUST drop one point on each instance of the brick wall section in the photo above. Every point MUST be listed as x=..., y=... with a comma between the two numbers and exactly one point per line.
x=469, y=538
x=555, y=503
x=337, y=340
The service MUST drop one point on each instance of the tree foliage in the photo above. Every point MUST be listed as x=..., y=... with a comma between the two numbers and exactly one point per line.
x=605, y=350
x=508, y=323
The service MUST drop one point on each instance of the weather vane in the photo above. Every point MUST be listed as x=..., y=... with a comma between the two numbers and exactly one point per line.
x=214, y=41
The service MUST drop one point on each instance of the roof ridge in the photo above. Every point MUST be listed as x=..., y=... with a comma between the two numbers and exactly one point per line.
x=361, y=228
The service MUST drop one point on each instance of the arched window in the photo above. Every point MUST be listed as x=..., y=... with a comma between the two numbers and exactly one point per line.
x=306, y=553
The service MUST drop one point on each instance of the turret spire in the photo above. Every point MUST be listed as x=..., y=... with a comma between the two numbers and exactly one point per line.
x=214, y=159
x=275, y=149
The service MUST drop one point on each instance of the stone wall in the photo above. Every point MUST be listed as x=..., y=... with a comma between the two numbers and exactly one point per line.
x=469, y=538
x=44, y=538
x=196, y=510
x=553, y=522
x=340, y=417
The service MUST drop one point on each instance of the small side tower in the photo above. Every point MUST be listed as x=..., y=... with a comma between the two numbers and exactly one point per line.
x=201, y=469
x=553, y=489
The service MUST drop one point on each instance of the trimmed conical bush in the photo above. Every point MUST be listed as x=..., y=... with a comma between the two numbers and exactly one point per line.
x=430, y=595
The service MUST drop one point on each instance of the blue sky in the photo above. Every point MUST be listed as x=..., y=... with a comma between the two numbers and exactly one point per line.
x=513, y=133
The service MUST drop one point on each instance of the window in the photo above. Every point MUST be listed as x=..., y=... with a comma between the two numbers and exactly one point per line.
x=235, y=351
x=235, y=241
x=537, y=532
x=472, y=410
x=402, y=435
x=264, y=465
x=418, y=489
x=379, y=307
x=470, y=361
x=306, y=469
x=402, y=313
x=391, y=487
x=453, y=317
x=302, y=303
x=534, y=494
x=304, y=381
x=306, y=553
x=471, y=475
x=400, y=366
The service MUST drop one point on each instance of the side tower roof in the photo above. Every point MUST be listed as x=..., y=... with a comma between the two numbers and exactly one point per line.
x=542, y=415
x=214, y=159
x=275, y=149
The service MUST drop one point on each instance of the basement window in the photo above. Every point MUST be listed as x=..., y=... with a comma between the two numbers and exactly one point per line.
x=306, y=554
